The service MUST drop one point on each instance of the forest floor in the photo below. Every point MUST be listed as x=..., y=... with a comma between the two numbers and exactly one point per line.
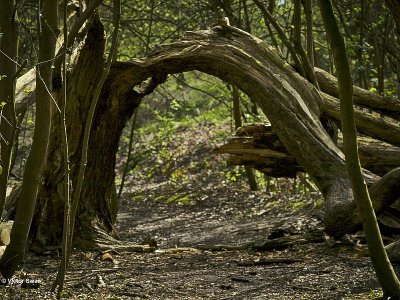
x=213, y=238
x=187, y=265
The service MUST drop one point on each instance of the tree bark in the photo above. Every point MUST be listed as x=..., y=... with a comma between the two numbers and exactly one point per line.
x=370, y=124
x=47, y=226
x=388, y=106
x=8, y=72
x=251, y=176
x=384, y=271
x=14, y=253
x=258, y=146
x=117, y=102
x=394, y=8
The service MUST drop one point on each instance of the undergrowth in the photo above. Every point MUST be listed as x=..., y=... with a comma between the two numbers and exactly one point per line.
x=175, y=136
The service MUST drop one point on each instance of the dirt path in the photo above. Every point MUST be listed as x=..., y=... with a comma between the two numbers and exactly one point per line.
x=211, y=216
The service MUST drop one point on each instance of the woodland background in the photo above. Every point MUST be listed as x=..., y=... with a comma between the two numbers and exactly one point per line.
x=167, y=109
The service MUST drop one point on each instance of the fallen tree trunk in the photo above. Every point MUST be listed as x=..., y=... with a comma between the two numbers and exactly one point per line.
x=384, y=129
x=256, y=145
x=388, y=106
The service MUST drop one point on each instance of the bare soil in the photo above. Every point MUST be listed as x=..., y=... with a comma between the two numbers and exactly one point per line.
x=181, y=221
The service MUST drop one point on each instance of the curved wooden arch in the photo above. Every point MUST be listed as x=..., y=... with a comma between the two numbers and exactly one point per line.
x=291, y=103
x=293, y=106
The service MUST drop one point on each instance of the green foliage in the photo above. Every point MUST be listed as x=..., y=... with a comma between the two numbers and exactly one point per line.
x=175, y=122
x=146, y=24
x=181, y=198
x=373, y=294
x=178, y=127
x=234, y=174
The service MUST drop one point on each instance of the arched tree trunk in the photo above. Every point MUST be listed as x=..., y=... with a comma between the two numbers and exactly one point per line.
x=293, y=106
x=117, y=102
x=114, y=108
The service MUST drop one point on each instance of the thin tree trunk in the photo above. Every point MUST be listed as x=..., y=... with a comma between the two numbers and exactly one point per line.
x=69, y=231
x=362, y=72
x=236, y=107
x=394, y=8
x=381, y=49
x=269, y=18
x=298, y=45
x=8, y=73
x=20, y=119
x=128, y=154
x=60, y=279
x=384, y=270
x=246, y=17
x=398, y=72
x=238, y=123
x=308, y=10
x=48, y=32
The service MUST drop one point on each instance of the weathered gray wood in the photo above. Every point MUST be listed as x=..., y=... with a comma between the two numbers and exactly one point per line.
x=393, y=251
x=5, y=230
x=384, y=129
x=25, y=91
x=258, y=146
x=388, y=106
